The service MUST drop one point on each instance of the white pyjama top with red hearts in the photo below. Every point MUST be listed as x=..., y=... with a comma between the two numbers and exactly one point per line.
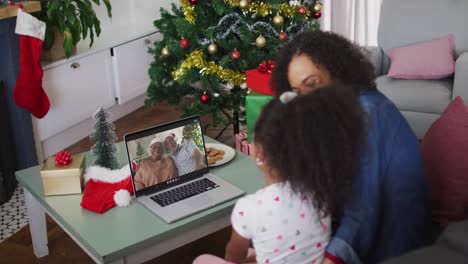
x=284, y=226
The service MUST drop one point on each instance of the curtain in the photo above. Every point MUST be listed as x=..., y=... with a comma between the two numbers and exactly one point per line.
x=356, y=20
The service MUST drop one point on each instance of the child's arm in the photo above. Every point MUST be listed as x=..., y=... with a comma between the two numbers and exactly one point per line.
x=237, y=248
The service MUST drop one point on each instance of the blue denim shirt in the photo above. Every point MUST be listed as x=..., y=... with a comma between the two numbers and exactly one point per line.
x=389, y=211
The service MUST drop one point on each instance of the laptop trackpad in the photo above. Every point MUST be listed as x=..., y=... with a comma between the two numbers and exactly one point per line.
x=201, y=200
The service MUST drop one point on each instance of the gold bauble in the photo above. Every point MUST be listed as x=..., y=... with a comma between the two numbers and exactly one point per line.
x=243, y=4
x=260, y=42
x=165, y=52
x=212, y=48
x=317, y=7
x=278, y=20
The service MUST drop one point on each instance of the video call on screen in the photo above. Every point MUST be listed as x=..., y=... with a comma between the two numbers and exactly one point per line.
x=163, y=156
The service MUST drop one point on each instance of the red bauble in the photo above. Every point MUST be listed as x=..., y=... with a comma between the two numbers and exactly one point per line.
x=283, y=35
x=204, y=98
x=193, y=2
x=302, y=10
x=184, y=43
x=235, y=55
x=317, y=15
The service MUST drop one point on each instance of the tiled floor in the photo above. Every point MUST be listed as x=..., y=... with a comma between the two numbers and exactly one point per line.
x=13, y=215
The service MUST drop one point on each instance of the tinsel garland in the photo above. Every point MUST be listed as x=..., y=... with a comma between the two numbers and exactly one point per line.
x=189, y=11
x=264, y=9
x=195, y=60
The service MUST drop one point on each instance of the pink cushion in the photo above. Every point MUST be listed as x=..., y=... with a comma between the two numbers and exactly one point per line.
x=445, y=154
x=426, y=60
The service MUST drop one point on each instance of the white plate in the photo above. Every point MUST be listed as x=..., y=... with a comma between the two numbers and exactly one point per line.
x=229, y=153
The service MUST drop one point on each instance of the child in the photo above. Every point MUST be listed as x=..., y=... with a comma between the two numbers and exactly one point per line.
x=308, y=148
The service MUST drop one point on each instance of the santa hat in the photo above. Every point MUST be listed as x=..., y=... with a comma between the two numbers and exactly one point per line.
x=155, y=140
x=106, y=188
x=173, y=135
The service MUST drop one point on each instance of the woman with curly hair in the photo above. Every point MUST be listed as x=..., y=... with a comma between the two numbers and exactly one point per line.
x=388, y=213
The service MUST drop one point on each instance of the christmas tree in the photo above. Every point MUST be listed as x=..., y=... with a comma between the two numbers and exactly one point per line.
x=208, y=45
x=104, y=149
x=193, y=132
x=140, y=151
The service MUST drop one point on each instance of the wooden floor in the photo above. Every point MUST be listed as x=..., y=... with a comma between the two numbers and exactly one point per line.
x=62, y=249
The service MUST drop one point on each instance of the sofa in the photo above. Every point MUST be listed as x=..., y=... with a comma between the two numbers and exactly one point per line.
x=405, y=22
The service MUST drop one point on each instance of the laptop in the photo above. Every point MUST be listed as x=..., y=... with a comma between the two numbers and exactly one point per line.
x=169, y=170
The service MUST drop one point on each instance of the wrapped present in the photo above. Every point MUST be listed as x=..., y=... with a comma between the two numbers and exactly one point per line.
x=241, y=143
x=254, y=103
x=63, y=174
x=259, y=79
x=246, y=147
x=242, y=136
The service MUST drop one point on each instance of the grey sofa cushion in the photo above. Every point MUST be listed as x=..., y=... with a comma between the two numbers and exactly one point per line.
x=427, y=96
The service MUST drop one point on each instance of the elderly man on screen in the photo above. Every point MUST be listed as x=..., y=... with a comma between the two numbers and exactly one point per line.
x=186, y=155
x=156, y=168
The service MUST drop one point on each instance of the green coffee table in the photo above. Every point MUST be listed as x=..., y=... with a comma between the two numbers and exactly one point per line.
x=128, y=234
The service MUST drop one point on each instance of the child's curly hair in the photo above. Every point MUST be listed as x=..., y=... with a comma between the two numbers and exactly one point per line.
x=314, y=143
x=344, y=60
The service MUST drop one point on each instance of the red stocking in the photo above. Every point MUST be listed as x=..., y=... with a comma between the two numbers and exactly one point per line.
x=28, y=91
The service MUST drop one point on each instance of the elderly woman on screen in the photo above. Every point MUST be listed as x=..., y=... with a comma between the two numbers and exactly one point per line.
x=156, y=168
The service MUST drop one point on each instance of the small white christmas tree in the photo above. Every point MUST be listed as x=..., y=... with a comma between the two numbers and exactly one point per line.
x=140, y=151
x=104, y=149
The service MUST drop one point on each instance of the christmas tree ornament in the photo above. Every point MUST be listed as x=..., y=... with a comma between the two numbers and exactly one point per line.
x=204, y=98
x=260, y=42
x=184, y=43
x=193, y=2
x=235, y=55
x=244, y=4
x=165, y=52
x=212, y=48
x=302, y=10
x=317, y=7
x=317, y=15
x=278, y=20
x=283, y=35
x=216, y=94
x=28, y=92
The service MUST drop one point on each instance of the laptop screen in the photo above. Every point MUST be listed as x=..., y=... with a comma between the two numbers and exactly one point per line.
x=165, y=155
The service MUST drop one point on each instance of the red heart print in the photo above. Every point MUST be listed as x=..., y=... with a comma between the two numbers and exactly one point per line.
x=241, y=213
x=276, y=250
x=292, y=247
x=304, y=198
x=267, y=261
x=279, y=237
x=302, y=215
x=277, y=198
x=319, y=245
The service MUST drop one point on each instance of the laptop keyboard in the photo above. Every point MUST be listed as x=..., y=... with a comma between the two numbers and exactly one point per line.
x=184, y=192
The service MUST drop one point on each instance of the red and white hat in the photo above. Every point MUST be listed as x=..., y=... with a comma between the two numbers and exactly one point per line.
x=155, y=140
x=106, y=188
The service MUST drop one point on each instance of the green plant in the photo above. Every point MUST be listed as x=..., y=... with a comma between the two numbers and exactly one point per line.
x=75, y=19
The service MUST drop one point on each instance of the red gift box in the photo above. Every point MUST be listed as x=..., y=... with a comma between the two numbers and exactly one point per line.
x=246, y=147
x=259, y=79
x=242, y=144
x=239, y=138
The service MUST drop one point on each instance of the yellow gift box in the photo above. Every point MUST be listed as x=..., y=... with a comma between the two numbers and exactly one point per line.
x=59, y=179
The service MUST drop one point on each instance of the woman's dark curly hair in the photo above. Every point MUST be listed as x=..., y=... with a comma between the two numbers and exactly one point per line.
x=344, y=61
x=314, y=143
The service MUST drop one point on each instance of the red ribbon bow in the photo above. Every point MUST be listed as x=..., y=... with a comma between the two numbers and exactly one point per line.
x=266, y=66
x=63, y=158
